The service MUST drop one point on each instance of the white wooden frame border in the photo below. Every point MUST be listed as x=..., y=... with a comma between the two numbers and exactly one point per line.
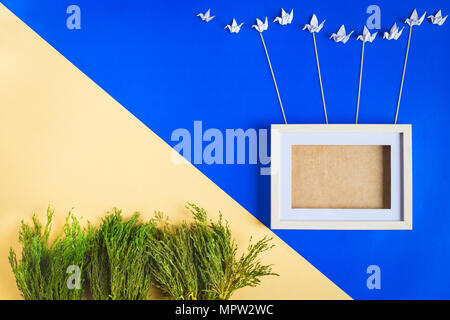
x=280, y=219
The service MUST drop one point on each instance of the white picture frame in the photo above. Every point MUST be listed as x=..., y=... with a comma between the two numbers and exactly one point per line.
x=397, y=217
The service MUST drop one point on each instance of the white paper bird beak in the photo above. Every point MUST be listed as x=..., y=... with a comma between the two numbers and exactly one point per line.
x=414, y=20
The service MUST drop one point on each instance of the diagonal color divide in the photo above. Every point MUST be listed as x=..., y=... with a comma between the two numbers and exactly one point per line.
x=57, y=148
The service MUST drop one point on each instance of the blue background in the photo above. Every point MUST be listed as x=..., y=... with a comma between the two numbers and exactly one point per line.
x=169, y=68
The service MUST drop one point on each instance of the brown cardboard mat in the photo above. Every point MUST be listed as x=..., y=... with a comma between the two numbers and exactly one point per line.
x=341, y=177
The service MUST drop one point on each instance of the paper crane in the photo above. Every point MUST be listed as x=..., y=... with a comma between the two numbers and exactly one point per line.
x=341, y=35
x=207, y=16
x=234, y=28
x=413, y=20
x=394, y=33
x=314, y=27
x=260, y=27
x=364, y=37
x=286, y=18
x=437, y=18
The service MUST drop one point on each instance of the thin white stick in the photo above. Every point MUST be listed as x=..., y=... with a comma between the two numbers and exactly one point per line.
x=273, y=77
x=403, y=75
x=360, y=78
x=320, y=79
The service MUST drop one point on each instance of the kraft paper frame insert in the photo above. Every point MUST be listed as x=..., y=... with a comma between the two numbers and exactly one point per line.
x=343, y=176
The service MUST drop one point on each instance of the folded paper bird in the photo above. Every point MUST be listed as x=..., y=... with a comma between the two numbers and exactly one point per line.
x=394, y=33
x=414, y=19
x=313, y=25
x=260, y=26
x=437, y=18
x=234, y=28
x=366, y=36
x=286, y=18
x=207, y=16
x=341, y=35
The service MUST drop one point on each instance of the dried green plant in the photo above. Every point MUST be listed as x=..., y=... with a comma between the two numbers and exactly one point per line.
x=118, y=264
x=42, y=273
x=199, y=260
x=171, y=260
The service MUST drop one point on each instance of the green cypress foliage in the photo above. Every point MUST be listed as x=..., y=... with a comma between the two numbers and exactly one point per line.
x=120, y=259
x=199, y=260
x=119, y=265
x=41, y=274
x=172, y=262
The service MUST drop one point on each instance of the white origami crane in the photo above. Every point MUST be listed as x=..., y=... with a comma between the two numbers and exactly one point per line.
x=414, y=20
x=394, y=33
x=286, y=18
x=313, y=25
x=260, y=26
x=207, y=16
x=341, y=35
x=437, y=18
x=366, y=36
x=234, y=28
